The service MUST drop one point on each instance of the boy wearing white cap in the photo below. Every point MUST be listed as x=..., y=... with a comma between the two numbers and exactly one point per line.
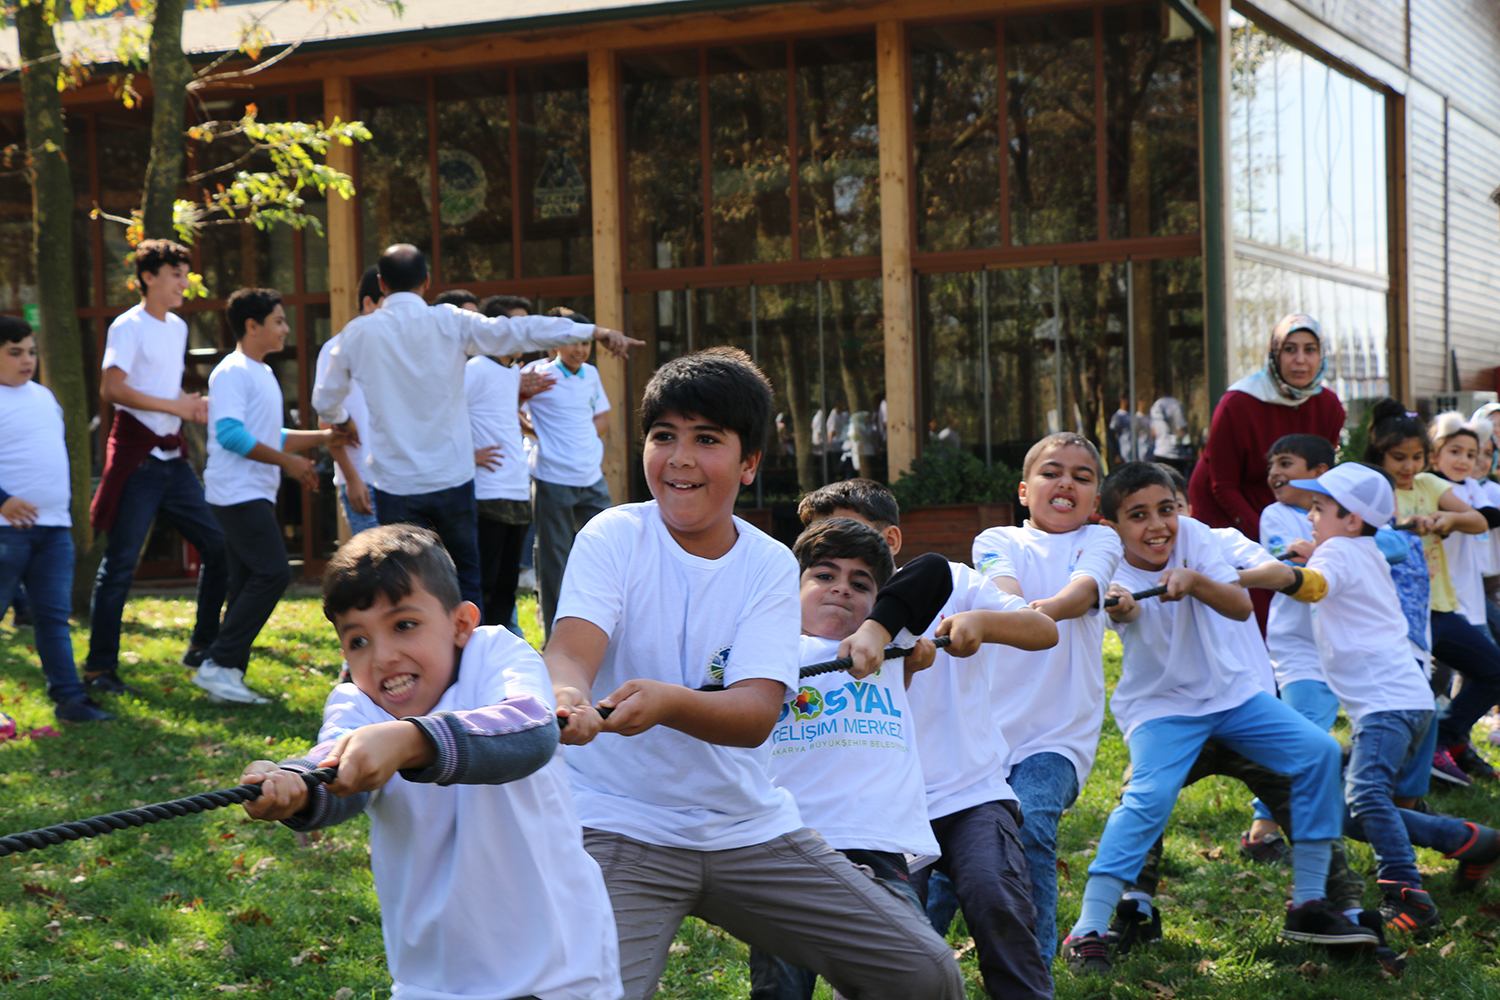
x=1367, y=663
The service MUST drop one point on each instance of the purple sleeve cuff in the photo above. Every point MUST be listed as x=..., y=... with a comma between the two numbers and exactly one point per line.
x=323, y=808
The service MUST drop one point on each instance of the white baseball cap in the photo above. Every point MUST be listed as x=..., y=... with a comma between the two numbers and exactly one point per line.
x=1358, y=488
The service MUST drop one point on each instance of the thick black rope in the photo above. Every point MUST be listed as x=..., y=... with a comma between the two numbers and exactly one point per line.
x=1110, y=602
x=96, y=826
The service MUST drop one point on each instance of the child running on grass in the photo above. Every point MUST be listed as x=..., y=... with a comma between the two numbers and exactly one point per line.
x=1398, y=444
x=1368, y=665
x=1178, y=688
x=975, y=814
x=845, y=748
x=485, y=888
x=660, y=599
x=1049, y=705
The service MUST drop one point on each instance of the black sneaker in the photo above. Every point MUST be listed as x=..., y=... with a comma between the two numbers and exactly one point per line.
x=1407, y=908
x=1130, y=927
x=194, y=656
x=1469, y=761
x=1318, y=922
x=109, y=683
x=1476, y=858
x=1088, y=955
x=1385, y=956
x=1272, y=849
x=81, y=709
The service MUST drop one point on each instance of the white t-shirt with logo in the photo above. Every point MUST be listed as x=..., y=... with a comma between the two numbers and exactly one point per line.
x=845, y=750
x=1469, y=557
x=494, y=394
x=1052, y=700
x=485, y=890
x=1289, y=629
x=152, y=354
x=1248, y=643
x=1177, y=655
x=568, y=448
x=247, y=391
x=1361, y=632
x=963, y=752
x=34, y=453
x=354, y=404
x=682, y=619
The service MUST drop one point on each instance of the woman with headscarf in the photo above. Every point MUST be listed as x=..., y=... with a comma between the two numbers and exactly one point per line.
x=1229, y=488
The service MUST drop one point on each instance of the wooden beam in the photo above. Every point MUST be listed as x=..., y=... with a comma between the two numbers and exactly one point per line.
x=609, y=259
x=893, y=80
x=1398, y=243
x=344, y=265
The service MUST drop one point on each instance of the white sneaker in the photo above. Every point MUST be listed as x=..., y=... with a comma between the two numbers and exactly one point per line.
x=527, y=580
x=226, y=684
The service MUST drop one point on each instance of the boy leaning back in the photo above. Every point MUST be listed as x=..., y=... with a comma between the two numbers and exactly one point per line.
x=1178, y=688
x=659, y=599
x=446, y=736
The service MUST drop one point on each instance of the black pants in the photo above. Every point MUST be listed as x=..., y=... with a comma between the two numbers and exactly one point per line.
x=984, y=859
x=258, y=573
x=1345, y=886
x=500, y=547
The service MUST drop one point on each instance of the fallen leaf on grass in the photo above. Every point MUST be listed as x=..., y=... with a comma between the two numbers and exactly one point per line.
x=310, y=955
x=32, y=889
x=1157, y=989
x=200, y=946
x=1214, y=853
x=1312, y=970
x=1447, y=949
x=53, y=929
x=1062, y=869
x=1489, y=910
x=959, y=953
x=1207, y=966
x=262, y=865
x=234, y=988
x=352, y=918
x=344, y=993
x=679, y=948
x=119, y=945
x=253, y=916
x=227, y=952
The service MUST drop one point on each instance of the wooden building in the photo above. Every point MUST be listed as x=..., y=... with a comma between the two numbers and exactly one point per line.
x=954, y=223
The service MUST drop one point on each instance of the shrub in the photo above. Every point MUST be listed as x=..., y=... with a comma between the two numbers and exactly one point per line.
x=944, y=476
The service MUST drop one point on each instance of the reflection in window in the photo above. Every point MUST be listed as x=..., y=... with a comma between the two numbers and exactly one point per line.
x=18, y=281
x=838, y=146
x=663, y=160
x=955, y=136
x=747, y=141
x=552, y=165
x=123, y=136
x=1151, y=122
x=473, y=166
x=393, y=170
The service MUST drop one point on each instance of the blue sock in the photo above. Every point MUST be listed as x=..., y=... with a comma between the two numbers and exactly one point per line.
x=1310, y=859
x=1099, y=898
x=1142, y=902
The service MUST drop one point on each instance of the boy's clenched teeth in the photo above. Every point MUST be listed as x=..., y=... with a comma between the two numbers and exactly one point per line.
x=399, y=685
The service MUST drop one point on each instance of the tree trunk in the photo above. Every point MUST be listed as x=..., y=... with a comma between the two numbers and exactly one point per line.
x=58, y=341
x=170, y=75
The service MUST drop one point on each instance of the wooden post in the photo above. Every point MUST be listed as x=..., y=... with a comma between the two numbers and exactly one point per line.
x=893, y=75
x=609, y=266
x=344, y=266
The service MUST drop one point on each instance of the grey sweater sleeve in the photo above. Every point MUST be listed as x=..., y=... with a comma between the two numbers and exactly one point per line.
x=488, y=746
x=324, y=809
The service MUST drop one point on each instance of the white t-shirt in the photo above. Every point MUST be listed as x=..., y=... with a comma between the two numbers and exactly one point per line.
x=246, y=390
x=1367, y=660
x=844, y=749
x=494, y=394
x=354, y=404
x=1249, y=645
x=963, y=752
x=1469, y=557
x=1052, y=700
x=1491, y=492
x=568, y=448
x=1289, y=628
x=1177, y=658
x=485, y=890
x=152, y=355
x=1169, y=427
x=675, y=617
x=34, y=453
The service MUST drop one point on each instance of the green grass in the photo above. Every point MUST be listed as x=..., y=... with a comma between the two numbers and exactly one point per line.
x=208, y=905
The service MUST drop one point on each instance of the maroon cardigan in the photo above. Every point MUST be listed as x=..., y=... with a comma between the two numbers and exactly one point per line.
x=1229, y=487
x=130, y=441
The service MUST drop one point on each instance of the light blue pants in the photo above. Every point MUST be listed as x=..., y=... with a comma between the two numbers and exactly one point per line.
x=1314, y=701
x=1162, y=751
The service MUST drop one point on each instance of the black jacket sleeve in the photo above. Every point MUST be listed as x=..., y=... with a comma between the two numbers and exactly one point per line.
x=912, y=597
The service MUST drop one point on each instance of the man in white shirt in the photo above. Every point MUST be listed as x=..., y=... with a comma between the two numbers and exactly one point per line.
x=408, y=358
x=146, y=472
x=567, y=482
x=349, y=460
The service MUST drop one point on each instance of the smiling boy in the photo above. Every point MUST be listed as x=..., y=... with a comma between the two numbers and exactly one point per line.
x=659, y=599
x=485, y=889
x=241, y=481
x=1178, y=688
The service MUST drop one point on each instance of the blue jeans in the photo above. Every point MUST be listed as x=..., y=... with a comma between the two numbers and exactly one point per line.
x=1382, y=743
x=42, y=559
x=1470, y=652
x=1416, y=777
x=1046, y=784
x=454, y=515
x=358, y=522
x=1162, y=751
x=171, y=491
x=1315, y=702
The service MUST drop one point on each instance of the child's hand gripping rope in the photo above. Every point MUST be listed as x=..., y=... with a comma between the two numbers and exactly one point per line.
x=811, y=670
x=1110, y=602
x=95, y=826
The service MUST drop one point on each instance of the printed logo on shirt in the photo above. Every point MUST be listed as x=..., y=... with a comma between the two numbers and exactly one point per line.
x=987, y=561
x=717, y=663
x=808, y=704
x=1276, y=545
x=849, y=715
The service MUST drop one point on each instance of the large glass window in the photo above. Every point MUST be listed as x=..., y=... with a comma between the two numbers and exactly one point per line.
x=750, y=170
x=955, y=136
x=663, y=159
x=553, y=170
x=394, y=179
x=1309, y=209
x=473, y=177
x=837, y=147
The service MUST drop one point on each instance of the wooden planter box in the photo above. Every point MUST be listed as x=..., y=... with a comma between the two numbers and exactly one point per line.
x=949, y=529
